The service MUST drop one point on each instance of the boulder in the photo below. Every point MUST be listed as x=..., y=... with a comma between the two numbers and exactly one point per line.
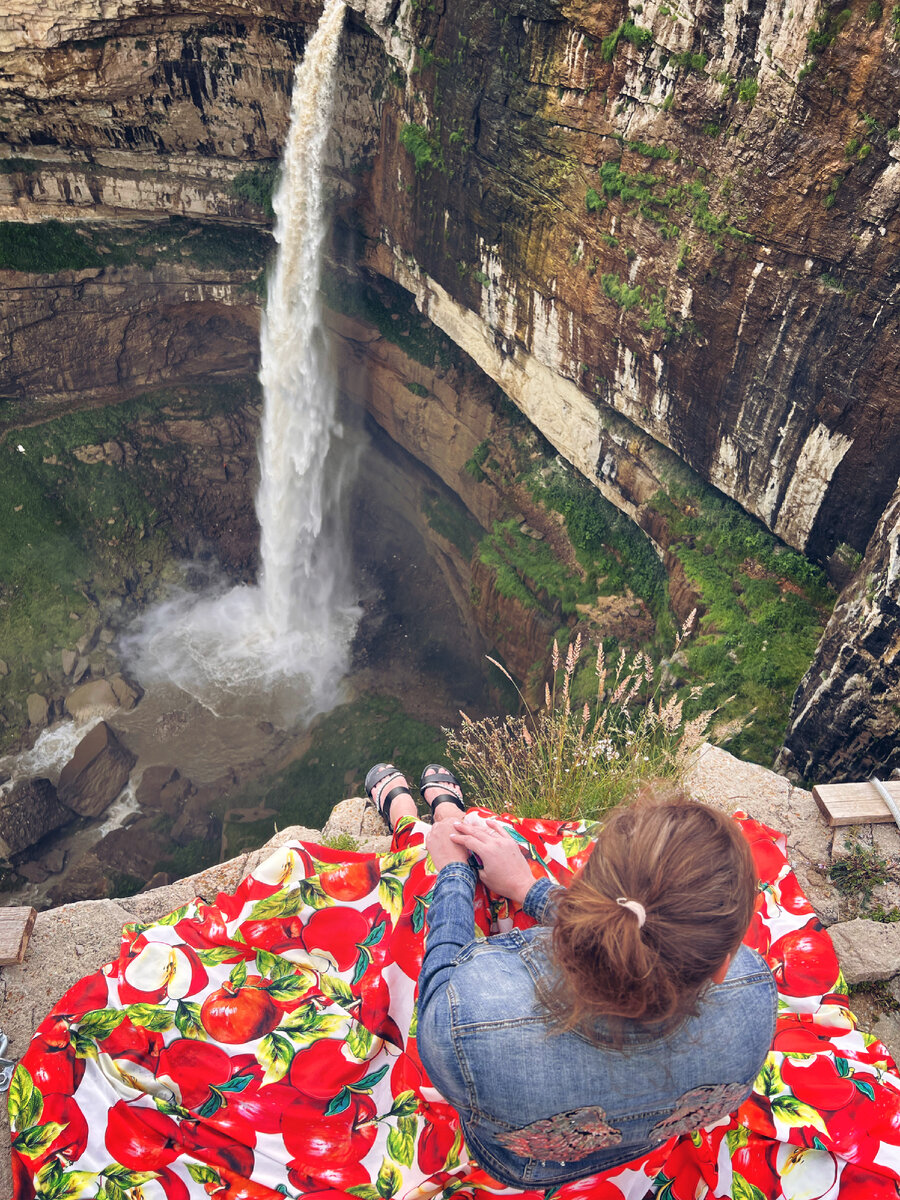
x=153, y=780
x=868, y=950
x=4, y=667
x=69, y=659
x=197, y=820
x=88, y=641
x=38, y=710
x=96, y=772
x=29, y=811
x=91, y=697
x=80, y=669
x=126, y=693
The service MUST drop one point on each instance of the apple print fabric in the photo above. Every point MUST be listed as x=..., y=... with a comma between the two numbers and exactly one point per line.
x=264, y=1046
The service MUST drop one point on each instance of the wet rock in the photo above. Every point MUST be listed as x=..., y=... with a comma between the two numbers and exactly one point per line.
x=127, y=694
x=96, y=772
x=197, y=819
x=153, y=780
x=132, y=852
x=34, y=872
x=38, y=710
x=160, y=879
x=868, y=950
x=88, y=641
x=81, y=668
x=29, y=811
x=174, y=794
x=85, y=881
x=55, y=859
x=91, y=697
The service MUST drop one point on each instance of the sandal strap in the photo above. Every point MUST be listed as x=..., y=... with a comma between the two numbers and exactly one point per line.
x=384, y=806
x=446, y=798
x=441, y=775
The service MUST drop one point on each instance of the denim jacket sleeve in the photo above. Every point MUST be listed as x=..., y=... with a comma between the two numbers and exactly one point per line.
x=451, y=925
x=451, y=922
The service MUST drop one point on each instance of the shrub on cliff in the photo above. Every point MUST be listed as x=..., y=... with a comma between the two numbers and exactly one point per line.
x=568, y=761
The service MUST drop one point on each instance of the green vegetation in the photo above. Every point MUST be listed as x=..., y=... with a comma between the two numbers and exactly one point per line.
x=479, y=457
x=831, y=196
x=72, y=533
x=880, y=992
x=593, y=201
x=748, y=90
x=45, y=247
x=659, y=201
x=827, y=28
x=895, y=22
x=874, y=12
x=423, y=146
x=449, y=518
x=49, y=246
x=417, y=389
x=765, y=607
x=368, y=729
x=626, y=297
x=628, y=32
x=860, y=870
x=392, y=311
x=341, y=841
x=15, y=166
x=577, y=760
x=257, y=185
x=691, y=61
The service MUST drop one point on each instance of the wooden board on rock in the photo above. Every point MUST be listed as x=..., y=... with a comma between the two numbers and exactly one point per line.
x=855, y=803
x=15, y=929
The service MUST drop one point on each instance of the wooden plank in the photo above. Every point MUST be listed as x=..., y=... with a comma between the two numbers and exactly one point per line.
x=855, y=803
x=15, y=930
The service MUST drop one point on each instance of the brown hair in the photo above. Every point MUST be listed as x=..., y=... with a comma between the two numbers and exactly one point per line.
x=691, y=870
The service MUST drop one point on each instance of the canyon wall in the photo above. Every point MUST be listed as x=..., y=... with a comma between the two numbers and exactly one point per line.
x=668, y=232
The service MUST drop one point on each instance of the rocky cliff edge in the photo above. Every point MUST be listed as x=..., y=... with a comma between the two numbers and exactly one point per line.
x=75, y=939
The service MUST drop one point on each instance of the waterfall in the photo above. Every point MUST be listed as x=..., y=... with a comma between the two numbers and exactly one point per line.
x=285, y=641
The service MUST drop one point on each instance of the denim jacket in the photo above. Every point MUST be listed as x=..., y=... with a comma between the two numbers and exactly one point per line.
x=539, y=1107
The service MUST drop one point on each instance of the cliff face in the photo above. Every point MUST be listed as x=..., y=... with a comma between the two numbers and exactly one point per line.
x=690, y=226
x=669, y=233
x=844, y=716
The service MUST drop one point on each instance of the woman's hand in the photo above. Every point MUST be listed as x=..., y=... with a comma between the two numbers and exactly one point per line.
x=441, y=847
x=505, y=870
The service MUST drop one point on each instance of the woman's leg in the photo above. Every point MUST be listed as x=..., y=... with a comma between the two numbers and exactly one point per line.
x=445, y=811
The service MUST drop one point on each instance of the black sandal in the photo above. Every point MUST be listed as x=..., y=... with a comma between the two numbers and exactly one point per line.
x=441, y=775
x=378, y=774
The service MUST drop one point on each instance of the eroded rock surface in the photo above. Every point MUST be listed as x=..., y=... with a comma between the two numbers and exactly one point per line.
x=96, y=772
x=28, y=812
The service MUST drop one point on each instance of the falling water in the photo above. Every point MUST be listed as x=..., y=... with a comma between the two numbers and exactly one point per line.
x=285, y=641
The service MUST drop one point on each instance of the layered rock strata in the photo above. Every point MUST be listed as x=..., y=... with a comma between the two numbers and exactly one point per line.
x=844, y=717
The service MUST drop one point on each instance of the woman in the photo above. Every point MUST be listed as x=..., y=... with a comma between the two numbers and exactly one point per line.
x=629, y=1013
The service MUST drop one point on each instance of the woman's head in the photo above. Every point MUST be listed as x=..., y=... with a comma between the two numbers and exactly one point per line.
x=691, y=871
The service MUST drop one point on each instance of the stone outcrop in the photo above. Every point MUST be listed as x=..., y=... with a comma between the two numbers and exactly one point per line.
x=28, y=812
x=89, y=698
x=74, y=940
x=96, y=772
x=844, y=719
x=868, y=950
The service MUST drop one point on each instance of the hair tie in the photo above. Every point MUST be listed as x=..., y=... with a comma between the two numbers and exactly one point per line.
x=634, y=906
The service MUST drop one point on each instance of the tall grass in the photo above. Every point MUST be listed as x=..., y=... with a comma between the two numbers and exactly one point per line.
x=579, y=761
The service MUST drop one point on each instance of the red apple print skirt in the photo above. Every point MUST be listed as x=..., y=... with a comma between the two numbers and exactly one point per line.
x=264, y=1046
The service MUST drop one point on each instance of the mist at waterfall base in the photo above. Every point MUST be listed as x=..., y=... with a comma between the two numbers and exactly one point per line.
x=280, y=649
